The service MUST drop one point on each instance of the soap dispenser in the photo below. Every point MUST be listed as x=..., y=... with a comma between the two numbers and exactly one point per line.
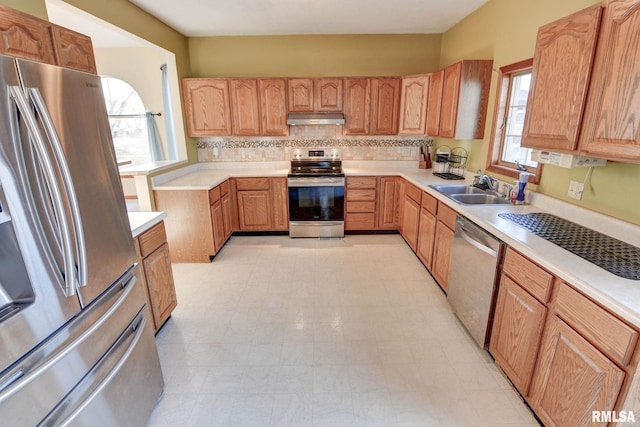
x=521, y=184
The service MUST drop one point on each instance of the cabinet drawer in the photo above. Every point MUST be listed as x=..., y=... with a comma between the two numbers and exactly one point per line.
x=252, y=184
x=224, y=188
x=361, y=195
x=414, y=192
x=447, y=216
x=534, y=279
x=360, y=221
x=429, y=202
x=362, y=182
x=214, y=195
x=361, y=207
x=602, y=329
x=151, y=239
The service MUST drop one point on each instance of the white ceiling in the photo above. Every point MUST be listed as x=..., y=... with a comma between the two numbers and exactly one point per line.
x=271, y=17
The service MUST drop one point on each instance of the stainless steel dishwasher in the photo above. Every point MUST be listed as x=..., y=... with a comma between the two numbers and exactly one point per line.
x=475, y=270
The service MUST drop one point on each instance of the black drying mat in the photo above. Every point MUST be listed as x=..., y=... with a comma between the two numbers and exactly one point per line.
x=615, y=256
x=447, y=175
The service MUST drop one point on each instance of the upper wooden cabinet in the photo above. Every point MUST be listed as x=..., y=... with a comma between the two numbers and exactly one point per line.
x=273, y=107
x=73, y=50
x=206, y=103
x=434, y=102
x=25, y=36
x=300, y=95
x=385, y=95
x=357, y=94
x=560, y=78
x=328, y=94
x=320, y=95
x=465, y=93
x=413, y=104
x=245, y=110
x=371, y=106
x=612, y=122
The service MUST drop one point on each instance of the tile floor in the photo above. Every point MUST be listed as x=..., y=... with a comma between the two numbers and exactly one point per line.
x=306, y=332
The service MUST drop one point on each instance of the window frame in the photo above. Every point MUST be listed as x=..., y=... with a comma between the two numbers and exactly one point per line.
x=503, y=97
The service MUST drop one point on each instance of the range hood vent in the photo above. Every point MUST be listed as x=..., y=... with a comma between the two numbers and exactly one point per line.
x=307, y=119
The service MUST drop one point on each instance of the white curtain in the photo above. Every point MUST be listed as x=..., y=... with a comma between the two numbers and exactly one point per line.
x=155, y=142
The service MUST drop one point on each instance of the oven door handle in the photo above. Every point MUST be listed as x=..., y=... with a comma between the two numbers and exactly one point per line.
x=316, y=182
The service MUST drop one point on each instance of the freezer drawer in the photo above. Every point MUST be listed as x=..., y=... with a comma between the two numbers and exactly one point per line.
x=51, y=373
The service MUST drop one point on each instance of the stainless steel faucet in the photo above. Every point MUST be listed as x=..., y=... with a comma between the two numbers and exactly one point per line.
x=489, y=181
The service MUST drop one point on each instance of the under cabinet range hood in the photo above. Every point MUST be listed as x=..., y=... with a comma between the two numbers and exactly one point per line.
x=310, y=119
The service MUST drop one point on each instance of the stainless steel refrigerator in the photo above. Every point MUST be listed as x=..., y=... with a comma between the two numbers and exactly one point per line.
x=76, y=338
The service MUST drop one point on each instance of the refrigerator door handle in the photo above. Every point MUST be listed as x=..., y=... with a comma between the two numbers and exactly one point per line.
x=27, y=374
x=62, y=230
x=137, y=330
x=63, y=168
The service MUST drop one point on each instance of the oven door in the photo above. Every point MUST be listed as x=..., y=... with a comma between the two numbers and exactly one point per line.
x=316, y=204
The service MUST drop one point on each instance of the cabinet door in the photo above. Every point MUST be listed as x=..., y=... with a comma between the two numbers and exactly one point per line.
x=244, y=107
x=612, y=123
x=426, y=237
x=434, y=102
x=206, y=103
x=280, y=203
x=254, y=210
x=572, y=379
x=226, y=216
x=517, y=329
x=410, y=222
x=73, y=50
x=450, y=94
x=25, y=36
x=273, y=107
x=413, y=104
x=388, y=201
x=385, y=97
x=356, y=109
x=328, y=95
x=217, y=219
x=561, y=69
x=300, y=95
x=442, y=251
x=159, y=277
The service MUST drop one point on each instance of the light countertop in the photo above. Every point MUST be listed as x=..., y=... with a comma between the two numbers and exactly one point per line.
x=142, y=221
x=621, y=296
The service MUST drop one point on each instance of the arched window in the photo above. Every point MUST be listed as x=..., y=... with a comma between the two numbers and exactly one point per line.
x=128, y=121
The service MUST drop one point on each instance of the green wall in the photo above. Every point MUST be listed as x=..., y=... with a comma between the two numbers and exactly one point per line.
x=314, y=56
x=505, y=31
x=32, y=7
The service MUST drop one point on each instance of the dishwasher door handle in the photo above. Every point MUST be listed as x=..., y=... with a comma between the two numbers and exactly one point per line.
x=475, y=243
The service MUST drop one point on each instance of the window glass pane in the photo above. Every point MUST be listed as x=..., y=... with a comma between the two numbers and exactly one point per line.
x=512, y=132
x=128, y=122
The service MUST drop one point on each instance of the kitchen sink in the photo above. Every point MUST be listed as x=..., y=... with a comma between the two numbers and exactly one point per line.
x=448, y=190
x=480, y=199
x=470, y=195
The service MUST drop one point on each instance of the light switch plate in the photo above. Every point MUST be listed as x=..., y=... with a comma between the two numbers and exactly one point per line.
x=575, y=190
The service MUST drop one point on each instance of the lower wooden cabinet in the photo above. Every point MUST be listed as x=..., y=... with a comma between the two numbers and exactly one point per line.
x=198, y=222
x=388, y=198
x=262, y=204
x=443, y=245
x=426, y=237
x=517, y=329
x=410, y=221
x=360, y=203
x=572, y=379
x=156, y=273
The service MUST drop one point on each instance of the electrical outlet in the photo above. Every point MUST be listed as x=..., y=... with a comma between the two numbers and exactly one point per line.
x=575, y=190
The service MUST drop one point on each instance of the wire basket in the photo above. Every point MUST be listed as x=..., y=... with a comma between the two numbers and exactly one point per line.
x=450, y=163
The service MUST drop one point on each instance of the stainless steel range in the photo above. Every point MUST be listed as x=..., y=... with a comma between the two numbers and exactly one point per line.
x=316, y=193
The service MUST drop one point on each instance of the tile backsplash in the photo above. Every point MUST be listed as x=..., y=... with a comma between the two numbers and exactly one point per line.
x=263, y=148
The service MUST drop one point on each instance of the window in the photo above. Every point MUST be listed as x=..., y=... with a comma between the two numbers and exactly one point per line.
x=506, y=156
x=128, y=121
